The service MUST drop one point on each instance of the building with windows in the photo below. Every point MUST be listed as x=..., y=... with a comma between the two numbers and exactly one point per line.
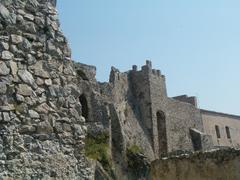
x=224, y=128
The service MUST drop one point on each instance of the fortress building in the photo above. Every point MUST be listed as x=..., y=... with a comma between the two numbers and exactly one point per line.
x=58, y=122
x=157, y=123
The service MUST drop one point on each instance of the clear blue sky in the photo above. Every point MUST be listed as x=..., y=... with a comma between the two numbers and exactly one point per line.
x=195, y=43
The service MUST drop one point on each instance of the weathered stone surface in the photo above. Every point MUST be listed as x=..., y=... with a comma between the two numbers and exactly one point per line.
x=31, y=59
x=16, y=39
x=3, y=88
x=14, y=68
x=5, y=14
x=24, y=90
x=25, y=45
x=52, y=49
x=44, y=128
x=6, y=116
x=30, y=27
x=42, y=73
x=4, y=70
x=222, y=164
x=29, y=17
x=26, y=77
x=48, y=82
x=44, y=108
x=33, y=114
x=27, y=129
x=4, y=46
x=6, y=55
x=32, y=6
x=30, y=144
x=20, y=98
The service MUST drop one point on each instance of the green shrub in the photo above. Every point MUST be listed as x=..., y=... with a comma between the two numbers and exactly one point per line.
x=134, y=149
x=97, y=147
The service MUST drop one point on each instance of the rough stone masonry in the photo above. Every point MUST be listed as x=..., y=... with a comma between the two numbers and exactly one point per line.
x=41, y=127
x=58, y=122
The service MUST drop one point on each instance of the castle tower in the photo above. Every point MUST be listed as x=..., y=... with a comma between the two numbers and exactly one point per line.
x=149, y=88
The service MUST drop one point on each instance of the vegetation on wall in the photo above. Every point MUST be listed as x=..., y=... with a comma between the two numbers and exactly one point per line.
x=137, y=162
x=134, y=149
x=97, y=148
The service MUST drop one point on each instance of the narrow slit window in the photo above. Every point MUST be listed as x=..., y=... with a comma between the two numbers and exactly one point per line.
x=228, y=132
x=217, y=131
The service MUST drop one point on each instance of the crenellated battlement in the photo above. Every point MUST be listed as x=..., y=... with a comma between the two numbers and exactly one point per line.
x=147, y=68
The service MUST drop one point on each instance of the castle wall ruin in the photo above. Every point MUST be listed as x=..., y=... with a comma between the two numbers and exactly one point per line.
x=49, y=105
x=140, y=96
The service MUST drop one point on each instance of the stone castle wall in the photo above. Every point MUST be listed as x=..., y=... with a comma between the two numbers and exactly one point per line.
x=179, y=117
x=138, y=97
x=128, y=115
x=48, y=104
x=149, y=90
x=41, y=128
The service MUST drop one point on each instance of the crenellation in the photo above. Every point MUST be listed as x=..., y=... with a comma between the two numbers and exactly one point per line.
x=55, y=114
x=157, y=73
x=154, y=71
x=164, y=77
x=134, y=68
x=149, y=64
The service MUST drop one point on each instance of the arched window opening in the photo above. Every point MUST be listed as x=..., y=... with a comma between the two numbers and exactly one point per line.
x=228, y=132
x=83, y=101
x=217, y=132
x=162, y=135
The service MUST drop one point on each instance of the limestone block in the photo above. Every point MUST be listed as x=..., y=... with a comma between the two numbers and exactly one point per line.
x=7, y=55
x=41, y=73
x=26, y=77
x=33, y=114
x=4, y=70
x=4, y=46
x=16, y=39
x=6, y=117
x=13, y=67
x=44, y=128
x=24, y=90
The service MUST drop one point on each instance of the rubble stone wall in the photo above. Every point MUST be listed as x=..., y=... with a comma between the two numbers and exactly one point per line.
x=41, y=128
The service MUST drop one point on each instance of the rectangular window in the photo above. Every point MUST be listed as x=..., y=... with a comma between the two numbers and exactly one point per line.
x=217, y=131
x=228, y=132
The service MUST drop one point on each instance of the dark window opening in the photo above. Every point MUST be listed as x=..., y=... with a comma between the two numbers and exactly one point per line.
x=228, y=132
x=84, y=104
x=162, y=134
x=217, y=131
